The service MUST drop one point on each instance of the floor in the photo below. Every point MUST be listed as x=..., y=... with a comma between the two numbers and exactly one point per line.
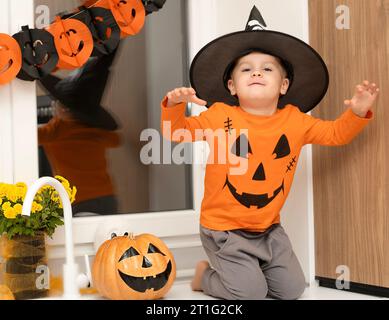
x=182, y=291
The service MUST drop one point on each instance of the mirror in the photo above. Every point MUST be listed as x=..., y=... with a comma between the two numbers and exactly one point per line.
x=146, y=66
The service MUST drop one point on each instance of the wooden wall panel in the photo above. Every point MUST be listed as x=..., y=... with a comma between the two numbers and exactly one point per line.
x=351, y=182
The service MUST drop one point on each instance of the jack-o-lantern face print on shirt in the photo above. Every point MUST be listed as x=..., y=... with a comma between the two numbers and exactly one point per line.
x=269, y=169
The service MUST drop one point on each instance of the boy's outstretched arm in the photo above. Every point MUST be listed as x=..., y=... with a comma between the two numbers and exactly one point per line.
x=349, y=124
x=175, y=125
x=363, y=99
x=180, y=95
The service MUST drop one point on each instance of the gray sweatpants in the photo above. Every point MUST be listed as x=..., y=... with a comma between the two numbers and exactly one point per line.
x=251, y=265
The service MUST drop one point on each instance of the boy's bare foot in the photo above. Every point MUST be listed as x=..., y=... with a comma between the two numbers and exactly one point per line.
x=200, y=268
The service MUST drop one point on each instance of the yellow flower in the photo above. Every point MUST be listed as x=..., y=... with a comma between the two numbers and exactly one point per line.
x=36, y=207
x=21, y=189
x=64, y=181
x=10, y=213
x=12, y=194
x=73, y=195
x=18, y=208
x=3, y=188
x=6, y=205
x=55, y=196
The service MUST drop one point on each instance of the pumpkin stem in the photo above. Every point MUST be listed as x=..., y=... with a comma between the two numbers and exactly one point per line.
x=131, y=236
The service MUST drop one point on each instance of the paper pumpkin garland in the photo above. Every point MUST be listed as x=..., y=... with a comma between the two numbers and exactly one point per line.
x=103, y=27
x=95, y=29
x=39, y=55
x=10, y=58
x=129, y=14
x=73, y=41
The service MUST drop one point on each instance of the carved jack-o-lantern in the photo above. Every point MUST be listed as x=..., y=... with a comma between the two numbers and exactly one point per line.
x=254, y=188
x=73, y=41
x=133, y=267
x=10, y=58
x=40, y=56
x=129, y=14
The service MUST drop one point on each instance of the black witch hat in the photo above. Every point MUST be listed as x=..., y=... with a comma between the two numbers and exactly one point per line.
x=82, y=91
x=306, y=70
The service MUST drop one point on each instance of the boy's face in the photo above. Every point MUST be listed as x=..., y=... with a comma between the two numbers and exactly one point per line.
x=258, y=77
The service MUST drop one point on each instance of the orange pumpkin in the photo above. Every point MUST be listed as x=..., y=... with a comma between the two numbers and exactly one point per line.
x=10, y=58
x=133, y=268
x=129, y=15
x=73, y=41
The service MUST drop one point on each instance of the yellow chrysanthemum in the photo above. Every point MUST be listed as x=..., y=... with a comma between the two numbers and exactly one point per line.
x=21, y=189
x=12, y=194
x=44, y=188
x=3, y=189
x=36, y=207
x=6, y=205
x=10, y=213
x=18, y=208
x=64, y=181
x=55, y=196
x=73, y=195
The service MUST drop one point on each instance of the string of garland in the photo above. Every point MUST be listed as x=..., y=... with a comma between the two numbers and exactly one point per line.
x=94, y=29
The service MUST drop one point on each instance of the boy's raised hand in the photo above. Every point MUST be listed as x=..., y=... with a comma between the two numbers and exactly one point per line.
x=363, y=99
x=179, y=95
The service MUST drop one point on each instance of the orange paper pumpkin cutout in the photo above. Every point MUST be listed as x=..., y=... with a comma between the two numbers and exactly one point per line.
x=10, y=58
x=129, y=14
x=73, y=41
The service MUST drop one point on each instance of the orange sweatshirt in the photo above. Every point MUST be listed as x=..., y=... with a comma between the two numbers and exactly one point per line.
x=252, y=199
x=77, y=152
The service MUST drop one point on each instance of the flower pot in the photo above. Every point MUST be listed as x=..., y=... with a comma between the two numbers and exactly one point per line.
x=25, y=269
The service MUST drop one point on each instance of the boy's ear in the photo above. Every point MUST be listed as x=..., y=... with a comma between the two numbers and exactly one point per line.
x=231, y=87
x=284, y=86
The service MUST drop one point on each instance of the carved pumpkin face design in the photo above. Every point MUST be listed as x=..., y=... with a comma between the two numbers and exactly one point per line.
x=10, y=58
x=129, y=267
x=73, y=41
x=254, y=188
x=129, y=15
x=104, y=29
x=39, y=53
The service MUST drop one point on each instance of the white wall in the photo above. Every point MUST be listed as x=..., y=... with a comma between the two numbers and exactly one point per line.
x=18, y=142
x=289, y=16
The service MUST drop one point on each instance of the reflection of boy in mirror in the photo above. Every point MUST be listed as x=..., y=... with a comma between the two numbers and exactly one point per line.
x=76, y=139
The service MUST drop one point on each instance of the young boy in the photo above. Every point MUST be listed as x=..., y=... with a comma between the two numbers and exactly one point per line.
x=250, y=254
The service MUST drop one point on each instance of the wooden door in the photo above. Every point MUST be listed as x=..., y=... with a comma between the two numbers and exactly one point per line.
x=351, y=182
